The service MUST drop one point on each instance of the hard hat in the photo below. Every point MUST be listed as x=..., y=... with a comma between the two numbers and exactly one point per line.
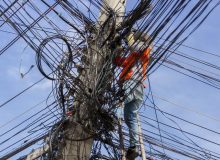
x=144, y=38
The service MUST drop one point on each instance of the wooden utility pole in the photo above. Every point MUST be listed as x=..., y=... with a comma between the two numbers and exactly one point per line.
x=81, y=149
x=121, y=139
x=141, y=139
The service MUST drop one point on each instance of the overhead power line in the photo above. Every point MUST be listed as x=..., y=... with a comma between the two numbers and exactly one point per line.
x=85, y=79
x=25, y=112
x=184, y=107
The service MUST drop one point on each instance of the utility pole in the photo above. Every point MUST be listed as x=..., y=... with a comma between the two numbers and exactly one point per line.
x=121, y=139
x=81, y=149
x=143, y=155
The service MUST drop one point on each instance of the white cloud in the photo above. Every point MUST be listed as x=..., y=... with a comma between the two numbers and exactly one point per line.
x=46, y=84
x=13, y=72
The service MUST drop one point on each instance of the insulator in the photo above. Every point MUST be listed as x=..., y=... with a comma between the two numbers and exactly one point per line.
x=68, y=74
x=78, y=54
x=85, y=60
x=67, y=54
x=72, y=92
x=81, y=70
x=85, y=51
x=72, y=76
x=60, y=65
x=88, y=91
x=90, y=39
x=64, y=37
x=75, y=103
x=76, y=65
x=75, y=81
x=66, y=97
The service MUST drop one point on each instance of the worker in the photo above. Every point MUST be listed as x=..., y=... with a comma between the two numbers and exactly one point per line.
x=132, y=76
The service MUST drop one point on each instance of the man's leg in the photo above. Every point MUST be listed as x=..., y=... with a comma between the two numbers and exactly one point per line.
x=115, y=115
x=117, y=112
x=130, y=115
x=132, y=103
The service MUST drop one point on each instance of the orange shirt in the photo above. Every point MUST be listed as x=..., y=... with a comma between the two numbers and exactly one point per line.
x=128, y=63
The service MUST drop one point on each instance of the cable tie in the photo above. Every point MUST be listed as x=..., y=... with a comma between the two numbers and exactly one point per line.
x=52, y=8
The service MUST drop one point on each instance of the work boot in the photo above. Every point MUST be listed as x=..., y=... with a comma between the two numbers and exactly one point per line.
x=132, y=152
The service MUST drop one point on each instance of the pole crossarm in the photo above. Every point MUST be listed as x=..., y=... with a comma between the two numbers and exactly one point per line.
x=38, y=152
x=24, y=147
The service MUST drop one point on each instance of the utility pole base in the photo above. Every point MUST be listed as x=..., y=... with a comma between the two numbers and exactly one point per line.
x=78, y=145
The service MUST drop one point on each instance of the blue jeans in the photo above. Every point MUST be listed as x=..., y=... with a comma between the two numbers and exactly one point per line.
x=130, y=106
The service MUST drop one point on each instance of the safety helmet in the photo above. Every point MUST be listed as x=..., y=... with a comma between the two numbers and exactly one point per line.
x=143, y=38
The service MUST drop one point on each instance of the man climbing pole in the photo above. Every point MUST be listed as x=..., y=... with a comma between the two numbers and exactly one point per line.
x=132, y=76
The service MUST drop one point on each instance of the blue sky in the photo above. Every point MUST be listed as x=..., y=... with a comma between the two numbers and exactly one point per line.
x=165, y=83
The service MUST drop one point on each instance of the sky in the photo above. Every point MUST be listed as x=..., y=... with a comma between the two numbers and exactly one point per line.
x=165, y=83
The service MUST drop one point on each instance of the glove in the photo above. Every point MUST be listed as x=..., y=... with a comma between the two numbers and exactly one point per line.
x=119, y=47
x=130, y=39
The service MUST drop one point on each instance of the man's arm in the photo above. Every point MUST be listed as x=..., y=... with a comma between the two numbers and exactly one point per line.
x=145, y=56
x=135, y=47
x=120, y=61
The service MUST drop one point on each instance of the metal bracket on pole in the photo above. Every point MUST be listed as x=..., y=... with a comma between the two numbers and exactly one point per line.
x=38, y=152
